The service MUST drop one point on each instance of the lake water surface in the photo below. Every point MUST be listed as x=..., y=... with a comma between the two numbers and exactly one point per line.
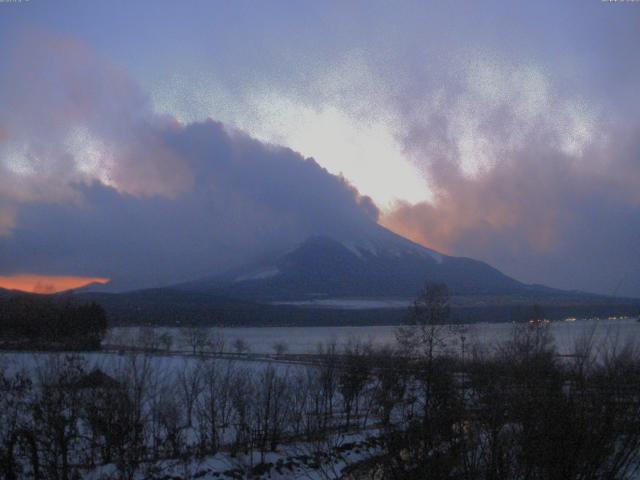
x=307, y=339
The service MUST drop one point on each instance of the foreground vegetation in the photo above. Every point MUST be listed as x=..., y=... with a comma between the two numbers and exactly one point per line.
x=415, y=409
x=518, y=411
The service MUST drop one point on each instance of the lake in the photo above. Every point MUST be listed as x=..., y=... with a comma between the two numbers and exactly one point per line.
x=306, y=339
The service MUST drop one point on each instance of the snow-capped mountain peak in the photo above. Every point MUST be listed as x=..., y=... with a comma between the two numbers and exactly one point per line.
x=377, y=263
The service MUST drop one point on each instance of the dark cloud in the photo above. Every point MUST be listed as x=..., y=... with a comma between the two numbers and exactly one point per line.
x=94, y=183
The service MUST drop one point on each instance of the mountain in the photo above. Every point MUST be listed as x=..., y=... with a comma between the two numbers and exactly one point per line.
x=378, y=264
x=364, y=279
x=4, y=293
x=355, y=280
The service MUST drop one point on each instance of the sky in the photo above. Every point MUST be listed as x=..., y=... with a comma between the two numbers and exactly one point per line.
x=154, y=142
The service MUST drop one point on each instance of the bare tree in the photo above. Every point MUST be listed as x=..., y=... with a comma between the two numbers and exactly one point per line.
x=215, y=406
x=427, y=329
x=189, y=382
x=196, y=338
x=242, y=398
x=169, y=413
x=353, y=376
x=107, y=413
x=165, y=340
x=328, y=378
x=240, y=345
x=138, y=377
x=148, y=338
x=271, y=408
x=15, y=425
x=300, y=399
x=280, y=348
x=57, y=412
x=217, y=341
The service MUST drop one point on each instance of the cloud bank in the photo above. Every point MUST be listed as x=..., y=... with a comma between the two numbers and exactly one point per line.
x=522, y=125
x=538, y=180
x=94, y=183
x=521, y=119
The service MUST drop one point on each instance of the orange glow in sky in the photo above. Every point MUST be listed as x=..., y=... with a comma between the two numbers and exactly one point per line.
x=47, y=283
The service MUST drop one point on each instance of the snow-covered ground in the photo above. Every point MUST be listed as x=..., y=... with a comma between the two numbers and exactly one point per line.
x=293, y=459
x=168, y=365
x=323, y=460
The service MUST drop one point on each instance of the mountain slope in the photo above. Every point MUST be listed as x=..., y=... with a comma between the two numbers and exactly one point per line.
x=379, y=264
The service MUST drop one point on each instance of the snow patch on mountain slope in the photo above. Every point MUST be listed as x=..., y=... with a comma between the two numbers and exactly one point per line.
x=395, y=247
x=438, y=257
x=353, y=248
x=259, y=275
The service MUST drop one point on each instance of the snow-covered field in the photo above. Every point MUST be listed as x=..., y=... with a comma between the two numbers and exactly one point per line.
x=167, y=366
x=296, y=461
x=168, y=385
x=312, y=459
x=307, y=339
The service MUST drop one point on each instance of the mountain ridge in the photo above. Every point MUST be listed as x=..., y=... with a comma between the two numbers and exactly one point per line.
x=366, y=279
x=382, y=264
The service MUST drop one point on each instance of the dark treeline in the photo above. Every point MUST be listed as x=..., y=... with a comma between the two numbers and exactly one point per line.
x=44, y=322
x=174, y=307
x=519, y=411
